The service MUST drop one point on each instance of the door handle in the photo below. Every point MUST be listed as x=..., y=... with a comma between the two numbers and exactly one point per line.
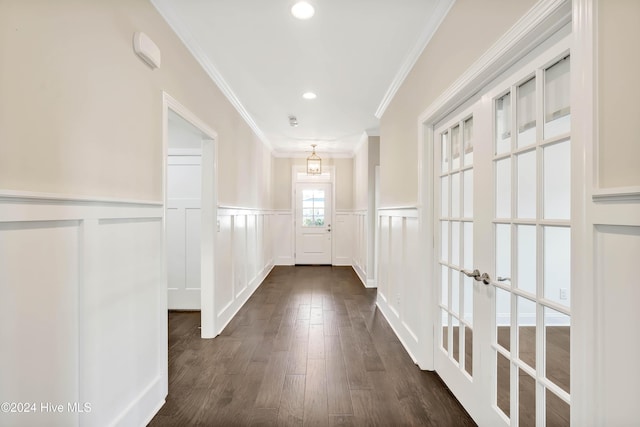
x=484, y=277
x=503, y=279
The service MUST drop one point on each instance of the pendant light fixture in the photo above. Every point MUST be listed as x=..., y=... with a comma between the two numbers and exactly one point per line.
x=314, y=163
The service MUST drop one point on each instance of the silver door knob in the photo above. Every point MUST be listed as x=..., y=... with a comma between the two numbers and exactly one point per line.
x=485, y=278
x=475, y=273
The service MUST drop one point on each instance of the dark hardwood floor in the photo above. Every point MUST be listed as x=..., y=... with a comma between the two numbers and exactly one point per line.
x=308, y=348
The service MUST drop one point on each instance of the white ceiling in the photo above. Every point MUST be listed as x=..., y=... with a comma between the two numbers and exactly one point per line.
x=352, y=53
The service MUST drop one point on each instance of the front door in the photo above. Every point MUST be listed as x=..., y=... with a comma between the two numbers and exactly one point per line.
x=503, y=232
x=313, y=223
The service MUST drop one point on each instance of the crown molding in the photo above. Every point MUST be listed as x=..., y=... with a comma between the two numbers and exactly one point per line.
x=165, y=10
x=441, y=11
x=305, y=154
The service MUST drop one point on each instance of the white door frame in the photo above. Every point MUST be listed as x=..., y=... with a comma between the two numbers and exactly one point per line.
x=295, y=170
x=209, y=213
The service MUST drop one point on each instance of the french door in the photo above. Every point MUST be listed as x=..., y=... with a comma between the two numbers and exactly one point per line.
x=502, y=173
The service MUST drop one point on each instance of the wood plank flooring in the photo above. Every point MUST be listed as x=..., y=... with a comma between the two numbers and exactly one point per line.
x=309, y=348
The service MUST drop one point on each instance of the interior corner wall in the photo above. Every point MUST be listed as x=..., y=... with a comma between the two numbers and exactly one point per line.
x=618, y=93
x=469, y=29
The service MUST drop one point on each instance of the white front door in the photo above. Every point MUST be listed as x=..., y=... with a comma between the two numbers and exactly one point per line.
x=502, y=173
x=313, y=223
x=183, y=219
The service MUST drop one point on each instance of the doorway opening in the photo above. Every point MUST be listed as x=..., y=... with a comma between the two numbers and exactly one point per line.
x=190, y=216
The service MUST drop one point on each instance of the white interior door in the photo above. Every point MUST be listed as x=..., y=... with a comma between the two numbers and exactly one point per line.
x=183, y=219
x=313, y=223
x=504, y=235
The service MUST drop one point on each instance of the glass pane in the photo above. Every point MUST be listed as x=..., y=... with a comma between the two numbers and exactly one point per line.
x=307, y=212
x=527, y=400
x=503, y=124
x=455, y=195
x=527, y=258
x=526, y=111
x=445, y=330
x=444, y=241
x=557, y=264
x=455, y=329
x=468, y=350
x=503, y=398
x=558, y=411
x=503, y=251
x=455, y=243
x=527, y=331
x=503, y=318
x=444, y=293
x=557, y=181
x=557, y=338
x=455, y=292
x=319, y=220
x=468, y=246
x=444, y=196
x=503, y=188
x=468, y=299
x=527, y=185
x=318, y=196
x=444, y=154
x=455, y=147
x=557, y=110
x=468, y=194
x=308, y=221
x=468, y=141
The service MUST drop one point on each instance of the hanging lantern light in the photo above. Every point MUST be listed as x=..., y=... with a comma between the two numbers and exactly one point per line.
x=314, y=163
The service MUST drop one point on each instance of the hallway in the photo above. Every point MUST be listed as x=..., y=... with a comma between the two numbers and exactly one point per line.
x=309, y=347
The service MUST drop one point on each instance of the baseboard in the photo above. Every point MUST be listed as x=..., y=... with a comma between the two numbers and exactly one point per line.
x=372, y=283
x=240, y=302
x=142, y=409
x=386, y=312
x=361, y=274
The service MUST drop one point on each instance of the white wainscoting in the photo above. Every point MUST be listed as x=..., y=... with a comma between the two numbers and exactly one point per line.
x=616, y=232
x=360, y=245
x=283, y=235
x=342, y=233
x=400, y=286
x=244, y=257
x=82, y=309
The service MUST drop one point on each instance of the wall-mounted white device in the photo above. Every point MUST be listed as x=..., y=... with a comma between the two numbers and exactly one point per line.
x=146, y=49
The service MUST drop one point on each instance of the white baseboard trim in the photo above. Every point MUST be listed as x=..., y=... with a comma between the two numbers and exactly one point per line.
x=152, y=397
x=397, y=329
x=236, y=305
x=372, y=283
x=361, y=274
x=284, y=260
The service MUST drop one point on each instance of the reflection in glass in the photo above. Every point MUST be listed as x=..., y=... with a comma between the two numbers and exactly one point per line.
x=467, y=182
x=527, y=400
x=503, y=251
x=527, y=254
x=503, y=389
x=527, y=331
x=468, y=141
x=444, y=196
x=455, y=292
x=526, y=112
x=557, y=181
x=455, y=195
x=444, y=241
x=503, y=188
x=557, y=264
x=468, y=299
x=445, y=330
x=468, y=350
x=557, y=410
x=503, y=124
x=468, y=246
x=444, y=294
x=557, y=109
x=444, y=154
x=503, y=318
x=455, y=243
x=527, y=185
x=557, y=351
x=455, y=329
x=455, y=147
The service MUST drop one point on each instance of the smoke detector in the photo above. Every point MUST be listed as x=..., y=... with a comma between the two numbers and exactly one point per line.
x=293, y=121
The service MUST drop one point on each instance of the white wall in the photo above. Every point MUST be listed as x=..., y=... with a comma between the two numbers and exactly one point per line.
x=83, y=314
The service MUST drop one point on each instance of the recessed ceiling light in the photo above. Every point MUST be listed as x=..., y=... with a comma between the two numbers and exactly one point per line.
x=309, y=95
x=302, y=10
